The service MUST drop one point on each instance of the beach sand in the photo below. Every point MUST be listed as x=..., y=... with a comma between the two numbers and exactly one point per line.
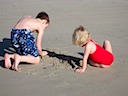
x=54, y=75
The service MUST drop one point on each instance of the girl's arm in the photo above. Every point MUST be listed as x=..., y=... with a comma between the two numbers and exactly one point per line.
x=85, y=58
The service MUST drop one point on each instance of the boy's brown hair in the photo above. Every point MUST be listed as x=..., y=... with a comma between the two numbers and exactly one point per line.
x=43, y=15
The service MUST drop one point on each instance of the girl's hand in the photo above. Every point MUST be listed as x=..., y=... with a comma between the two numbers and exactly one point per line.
x=79, y=70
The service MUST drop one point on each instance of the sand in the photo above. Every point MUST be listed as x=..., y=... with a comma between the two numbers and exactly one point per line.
x=54, y=75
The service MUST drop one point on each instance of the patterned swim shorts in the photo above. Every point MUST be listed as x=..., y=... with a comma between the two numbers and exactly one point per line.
x=24, y=42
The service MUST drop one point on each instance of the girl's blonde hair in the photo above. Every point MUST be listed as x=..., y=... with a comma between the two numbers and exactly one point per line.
x=80, y=36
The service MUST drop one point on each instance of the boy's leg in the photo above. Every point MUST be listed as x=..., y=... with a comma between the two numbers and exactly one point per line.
x=107, y=46
x=27, y=59
x=7, y=60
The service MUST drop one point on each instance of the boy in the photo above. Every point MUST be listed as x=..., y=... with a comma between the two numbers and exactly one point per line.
x=27, y=48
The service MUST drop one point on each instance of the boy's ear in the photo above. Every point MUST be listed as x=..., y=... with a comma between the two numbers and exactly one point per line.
x=44, y=21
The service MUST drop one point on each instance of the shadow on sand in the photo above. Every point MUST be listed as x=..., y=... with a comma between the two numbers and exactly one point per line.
x=5, y=47
x=70, y=59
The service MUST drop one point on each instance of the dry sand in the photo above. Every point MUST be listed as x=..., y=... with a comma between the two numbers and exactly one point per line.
x=55, y=76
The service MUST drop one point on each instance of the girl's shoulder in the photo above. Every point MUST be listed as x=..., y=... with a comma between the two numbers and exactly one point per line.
x=88, y=43
x=91, y=46
x=91, y=42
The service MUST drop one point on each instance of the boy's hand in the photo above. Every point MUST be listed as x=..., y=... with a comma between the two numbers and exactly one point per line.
x=43, y=53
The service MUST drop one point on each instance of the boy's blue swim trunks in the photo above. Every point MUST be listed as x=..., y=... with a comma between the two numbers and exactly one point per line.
x=24, y=42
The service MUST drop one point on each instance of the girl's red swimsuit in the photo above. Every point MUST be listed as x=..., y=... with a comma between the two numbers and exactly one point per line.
x=101, y=55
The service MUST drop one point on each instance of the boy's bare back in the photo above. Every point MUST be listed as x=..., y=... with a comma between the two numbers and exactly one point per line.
x=28, y=22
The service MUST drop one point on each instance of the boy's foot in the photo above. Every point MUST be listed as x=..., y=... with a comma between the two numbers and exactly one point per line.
x=7, y=61
x=16, y=62
x=14, y=68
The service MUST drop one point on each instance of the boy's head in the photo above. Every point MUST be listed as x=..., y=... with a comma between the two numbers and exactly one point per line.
x=80, y=36
x=43, y=16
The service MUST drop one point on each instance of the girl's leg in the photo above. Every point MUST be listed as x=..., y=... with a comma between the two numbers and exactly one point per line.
x=94, y=64
x=107, y=46
x=28, y=59
x=97, y=65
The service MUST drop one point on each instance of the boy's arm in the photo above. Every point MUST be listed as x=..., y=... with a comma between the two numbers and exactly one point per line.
x=39, y=40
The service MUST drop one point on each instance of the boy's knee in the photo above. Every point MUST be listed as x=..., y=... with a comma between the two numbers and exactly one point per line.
x=37, y=60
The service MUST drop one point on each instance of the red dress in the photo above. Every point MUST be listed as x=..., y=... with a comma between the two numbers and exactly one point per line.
x=101, y=56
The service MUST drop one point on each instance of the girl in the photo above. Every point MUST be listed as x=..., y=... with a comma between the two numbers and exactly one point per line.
x=97, y=56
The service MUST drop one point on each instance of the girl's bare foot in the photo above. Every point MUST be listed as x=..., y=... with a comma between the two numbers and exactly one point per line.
x=7, y=61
